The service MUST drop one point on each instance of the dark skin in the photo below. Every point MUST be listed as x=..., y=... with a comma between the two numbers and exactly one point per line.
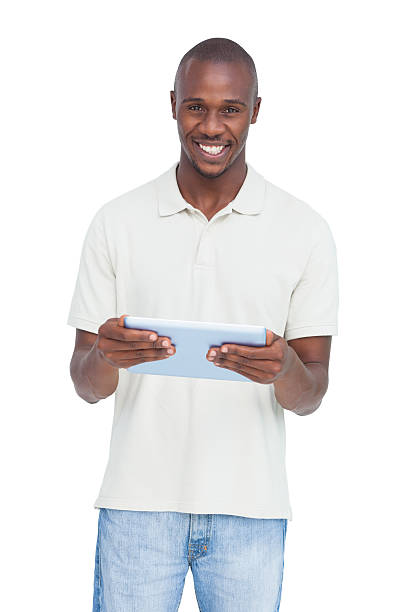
x=298, y=368
x=206, y=183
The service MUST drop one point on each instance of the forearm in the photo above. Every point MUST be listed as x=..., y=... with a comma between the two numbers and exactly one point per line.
x=93, y=377
x=302, y=388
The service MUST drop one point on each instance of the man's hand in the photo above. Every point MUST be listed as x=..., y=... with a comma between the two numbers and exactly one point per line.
x=123, y=347
x=262, y=364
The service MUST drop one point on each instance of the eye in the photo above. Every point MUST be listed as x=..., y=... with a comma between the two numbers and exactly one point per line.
x=235, y=110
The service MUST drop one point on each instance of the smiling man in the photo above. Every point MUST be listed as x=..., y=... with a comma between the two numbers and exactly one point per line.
x=196, y=474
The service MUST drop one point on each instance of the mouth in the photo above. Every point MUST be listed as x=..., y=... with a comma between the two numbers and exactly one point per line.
x=216, y=152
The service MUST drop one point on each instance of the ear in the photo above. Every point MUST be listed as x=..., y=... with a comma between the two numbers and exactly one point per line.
x=173, y=103
x=256, y=110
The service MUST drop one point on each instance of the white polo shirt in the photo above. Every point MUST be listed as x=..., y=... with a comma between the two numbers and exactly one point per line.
x=267, y=258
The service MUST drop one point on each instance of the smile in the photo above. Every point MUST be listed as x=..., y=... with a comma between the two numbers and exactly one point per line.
x=212, y=152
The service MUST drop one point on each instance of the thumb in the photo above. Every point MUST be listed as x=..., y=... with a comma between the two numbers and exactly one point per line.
x=270, y=337
x=121, y=320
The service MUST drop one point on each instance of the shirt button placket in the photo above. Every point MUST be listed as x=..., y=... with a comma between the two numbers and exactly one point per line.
x=203, y=272
x=205, y=251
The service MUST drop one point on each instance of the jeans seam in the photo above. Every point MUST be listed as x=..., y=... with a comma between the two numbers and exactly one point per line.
x=99, y=573
x=284, y=525
x=208, y=534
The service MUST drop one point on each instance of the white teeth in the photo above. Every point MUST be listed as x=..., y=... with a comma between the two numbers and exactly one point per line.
x=212, y=150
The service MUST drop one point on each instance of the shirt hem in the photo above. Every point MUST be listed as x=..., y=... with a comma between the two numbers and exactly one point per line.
x=83, y=323
x=305, y=331
x=117, y=503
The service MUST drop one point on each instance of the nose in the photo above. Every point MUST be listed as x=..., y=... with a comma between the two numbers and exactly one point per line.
x=212, y=125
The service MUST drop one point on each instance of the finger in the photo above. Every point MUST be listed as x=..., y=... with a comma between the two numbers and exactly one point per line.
x=121, y=323
x=272, y=351
x=248, y=372
x=144, y=354
x=109, y=344
x=111, y=329
x=127, y=363
x=263, y=365
x=271, y=337
x=121, y=320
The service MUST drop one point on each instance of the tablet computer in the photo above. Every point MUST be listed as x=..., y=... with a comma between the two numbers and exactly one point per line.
x=192, y=340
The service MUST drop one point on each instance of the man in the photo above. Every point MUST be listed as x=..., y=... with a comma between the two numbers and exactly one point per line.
x=196, y=472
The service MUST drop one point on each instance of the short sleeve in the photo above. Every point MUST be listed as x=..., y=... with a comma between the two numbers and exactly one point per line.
x=94, y=297
x=313, y=309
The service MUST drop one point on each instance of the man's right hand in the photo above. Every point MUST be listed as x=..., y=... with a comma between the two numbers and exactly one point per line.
x=123, y=347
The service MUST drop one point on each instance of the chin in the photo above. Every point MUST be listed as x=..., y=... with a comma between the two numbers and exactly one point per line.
x=208, y=173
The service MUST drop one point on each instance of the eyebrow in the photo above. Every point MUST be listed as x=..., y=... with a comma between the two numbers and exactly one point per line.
x=229, y=101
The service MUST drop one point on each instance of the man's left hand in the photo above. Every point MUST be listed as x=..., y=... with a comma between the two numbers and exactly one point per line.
x=262, y=364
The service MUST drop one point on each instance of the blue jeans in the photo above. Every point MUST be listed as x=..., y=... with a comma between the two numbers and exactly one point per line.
x=142, y=559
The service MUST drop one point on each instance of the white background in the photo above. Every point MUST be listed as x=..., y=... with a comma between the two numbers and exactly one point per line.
x=85, y=117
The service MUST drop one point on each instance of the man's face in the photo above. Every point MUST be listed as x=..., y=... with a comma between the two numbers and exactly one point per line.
x=216, y=117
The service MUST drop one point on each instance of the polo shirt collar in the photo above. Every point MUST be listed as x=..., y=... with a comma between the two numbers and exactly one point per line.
x=248, y=201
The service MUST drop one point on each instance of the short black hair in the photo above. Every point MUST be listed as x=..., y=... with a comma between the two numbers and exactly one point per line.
x=219, y=50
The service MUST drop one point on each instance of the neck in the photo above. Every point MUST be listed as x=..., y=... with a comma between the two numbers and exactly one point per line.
x=210, y=194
